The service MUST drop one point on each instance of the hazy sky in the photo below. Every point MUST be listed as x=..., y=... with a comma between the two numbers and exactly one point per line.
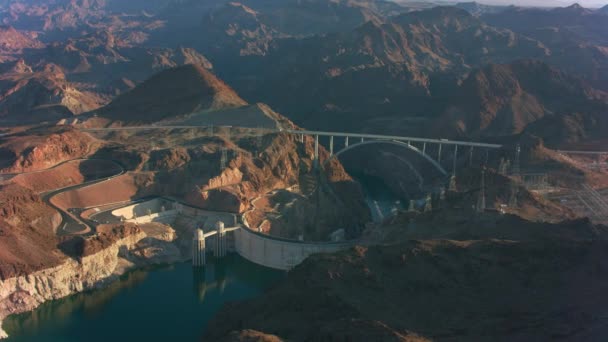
x=544, y=3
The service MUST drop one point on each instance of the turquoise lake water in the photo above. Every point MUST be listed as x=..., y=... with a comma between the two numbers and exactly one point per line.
x=170, y=303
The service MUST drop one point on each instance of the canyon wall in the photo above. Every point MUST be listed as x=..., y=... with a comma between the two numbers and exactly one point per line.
x=103, y=259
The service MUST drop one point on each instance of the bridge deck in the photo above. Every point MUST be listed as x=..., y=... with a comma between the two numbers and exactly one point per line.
x=319, y=133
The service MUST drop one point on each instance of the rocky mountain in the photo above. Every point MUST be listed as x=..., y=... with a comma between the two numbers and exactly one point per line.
x=502, y=100
x=576, y=37
x=367, y=293
x=172, y=93
x=14, y=42
x=93, y=51
x=248, y=27
x=330, y=75
x=416, y=61
x=573, y=128
x=41, y=150
x=310, y=17
x=28, y=96
x=320, y=56
x=215, y=19
x=235, y=29
x=26, y=232
x=584, y=23
x=108, y=62
x=478, y=9
x=53, y=14
x=60, y=20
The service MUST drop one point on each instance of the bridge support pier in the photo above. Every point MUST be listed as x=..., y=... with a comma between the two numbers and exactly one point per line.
x=471, y=156
x=346, y=142
x=220, y=241
x=481, y=200
x=331, y=145
x=452, y=187
x=455, y=160
x=198, y=249
x=439, y=154
x=316, y=157
x=424, y=148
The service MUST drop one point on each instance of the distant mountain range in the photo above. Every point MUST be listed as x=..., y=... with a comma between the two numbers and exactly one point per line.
x=360, y=64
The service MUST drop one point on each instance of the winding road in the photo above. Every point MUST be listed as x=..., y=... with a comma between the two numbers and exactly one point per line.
x=70, y=223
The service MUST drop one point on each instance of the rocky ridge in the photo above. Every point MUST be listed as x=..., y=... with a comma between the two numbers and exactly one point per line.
x=33, y=152
x=503, y=100
x=93, y=262
x=193, y=89
x=14, y=42
x=466, y=283
x=28, y=96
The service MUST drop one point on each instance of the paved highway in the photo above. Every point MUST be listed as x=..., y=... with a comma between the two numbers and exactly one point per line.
x=305, y=132
x=70, y=223
x=394, y=137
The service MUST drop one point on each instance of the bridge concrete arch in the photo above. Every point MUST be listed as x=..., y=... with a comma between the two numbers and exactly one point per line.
x=412, y=169
x=390, y=142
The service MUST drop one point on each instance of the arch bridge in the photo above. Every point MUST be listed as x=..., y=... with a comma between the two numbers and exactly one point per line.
x=433, y=150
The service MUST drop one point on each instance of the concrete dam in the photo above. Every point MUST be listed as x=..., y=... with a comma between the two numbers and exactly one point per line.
x=220, y=233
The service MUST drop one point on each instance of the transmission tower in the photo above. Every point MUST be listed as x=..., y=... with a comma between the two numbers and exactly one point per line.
x=516, y=165
x=513, y=195
x=481, y=200
x=502, y=167
x=428, y=205
x=452, y=186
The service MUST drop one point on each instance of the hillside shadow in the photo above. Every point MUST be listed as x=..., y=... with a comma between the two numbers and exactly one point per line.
x=72, y=246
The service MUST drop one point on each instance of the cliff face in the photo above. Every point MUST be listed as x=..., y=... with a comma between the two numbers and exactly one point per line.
x=27, y=235
x=26, y=292
x=335, y=200
x=95, y=263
